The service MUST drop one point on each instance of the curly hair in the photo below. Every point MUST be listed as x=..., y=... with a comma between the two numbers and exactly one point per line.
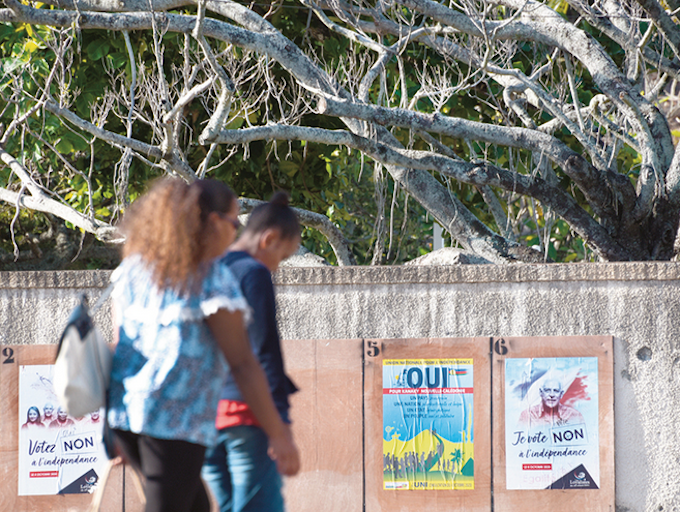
x=168, y=228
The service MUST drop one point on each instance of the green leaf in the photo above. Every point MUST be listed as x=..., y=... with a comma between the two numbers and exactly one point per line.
x=10, y=64
x=6, y=30
x=64, y=146
x=97, y=49
x=77, y=143
x=289, y=168
x=559, y=6
x=117, y=60
x=235, y=124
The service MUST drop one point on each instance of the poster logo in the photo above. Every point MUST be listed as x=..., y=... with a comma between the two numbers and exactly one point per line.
x=82, y=485
x=579, y=478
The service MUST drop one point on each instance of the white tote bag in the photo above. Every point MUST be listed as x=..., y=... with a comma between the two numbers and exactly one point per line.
x=83, y=365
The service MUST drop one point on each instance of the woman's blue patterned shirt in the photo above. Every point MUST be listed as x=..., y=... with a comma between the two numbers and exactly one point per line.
x=168, y=370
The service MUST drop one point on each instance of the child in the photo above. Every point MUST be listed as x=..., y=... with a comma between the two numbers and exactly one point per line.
x=238, y=470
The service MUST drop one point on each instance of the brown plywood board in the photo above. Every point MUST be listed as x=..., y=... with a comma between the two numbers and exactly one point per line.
x=11, y=357
x=327, y=425
x=471, y=500
x=132, y=492
x=556, y=500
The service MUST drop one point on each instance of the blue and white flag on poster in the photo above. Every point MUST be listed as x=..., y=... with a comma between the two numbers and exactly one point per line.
x=58, y=454
x=552, y=423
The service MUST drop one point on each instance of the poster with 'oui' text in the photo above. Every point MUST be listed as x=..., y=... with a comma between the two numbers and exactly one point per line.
x=551, y=421
x=428, y=424
x=58, y=454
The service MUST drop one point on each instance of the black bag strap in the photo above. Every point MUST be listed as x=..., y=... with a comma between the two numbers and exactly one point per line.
x=83, y=322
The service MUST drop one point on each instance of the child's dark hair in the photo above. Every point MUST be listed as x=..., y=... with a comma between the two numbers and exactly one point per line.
x=276, y=214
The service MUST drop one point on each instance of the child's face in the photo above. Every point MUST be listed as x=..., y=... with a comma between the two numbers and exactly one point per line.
x=279, y=249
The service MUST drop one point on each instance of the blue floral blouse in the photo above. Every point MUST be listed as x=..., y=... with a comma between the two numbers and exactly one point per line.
x=168, y=370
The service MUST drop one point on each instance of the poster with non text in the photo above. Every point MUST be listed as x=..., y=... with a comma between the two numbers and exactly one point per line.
x=552, y=423
x=58, y=454
x=428, y=424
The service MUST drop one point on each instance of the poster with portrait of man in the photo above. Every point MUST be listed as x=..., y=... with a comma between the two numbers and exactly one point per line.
x=58, y=454
x=551, y=423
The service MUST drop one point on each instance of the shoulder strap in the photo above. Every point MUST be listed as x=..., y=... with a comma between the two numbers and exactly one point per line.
x=96, y=502
x=102, y=298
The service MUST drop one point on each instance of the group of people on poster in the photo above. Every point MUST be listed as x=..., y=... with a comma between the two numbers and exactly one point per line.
x=59, y=419
x=411, y=462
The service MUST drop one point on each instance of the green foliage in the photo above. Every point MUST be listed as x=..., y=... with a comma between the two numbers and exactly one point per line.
x=24, y=48
x=328, y=180
x=367, y=207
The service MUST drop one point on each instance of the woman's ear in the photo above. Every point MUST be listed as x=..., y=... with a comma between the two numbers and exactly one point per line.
x=269, y=238
x=213, y=221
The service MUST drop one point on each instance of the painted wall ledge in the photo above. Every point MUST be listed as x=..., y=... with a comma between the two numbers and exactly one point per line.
x=305, y=276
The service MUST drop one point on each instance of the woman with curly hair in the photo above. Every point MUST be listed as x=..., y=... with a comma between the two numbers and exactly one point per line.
x=177, y=316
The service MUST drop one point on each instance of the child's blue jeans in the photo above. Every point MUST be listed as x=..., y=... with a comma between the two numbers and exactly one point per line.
x=240, y=473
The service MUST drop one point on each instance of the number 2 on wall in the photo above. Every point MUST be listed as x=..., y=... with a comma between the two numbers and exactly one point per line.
x=8, y=353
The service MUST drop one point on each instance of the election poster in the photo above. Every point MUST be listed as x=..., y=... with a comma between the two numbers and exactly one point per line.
x=58, y=454
x=428, y=424
x=551, y=423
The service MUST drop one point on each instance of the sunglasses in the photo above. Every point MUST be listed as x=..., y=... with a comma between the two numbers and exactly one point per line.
x=234, y=222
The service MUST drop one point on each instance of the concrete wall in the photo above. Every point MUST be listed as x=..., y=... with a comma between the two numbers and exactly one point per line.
x=638, y=303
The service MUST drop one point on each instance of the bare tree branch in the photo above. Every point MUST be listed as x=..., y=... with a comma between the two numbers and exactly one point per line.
x=510, y=97
x=476, y=174
x=664, y=23
x=41, y=202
